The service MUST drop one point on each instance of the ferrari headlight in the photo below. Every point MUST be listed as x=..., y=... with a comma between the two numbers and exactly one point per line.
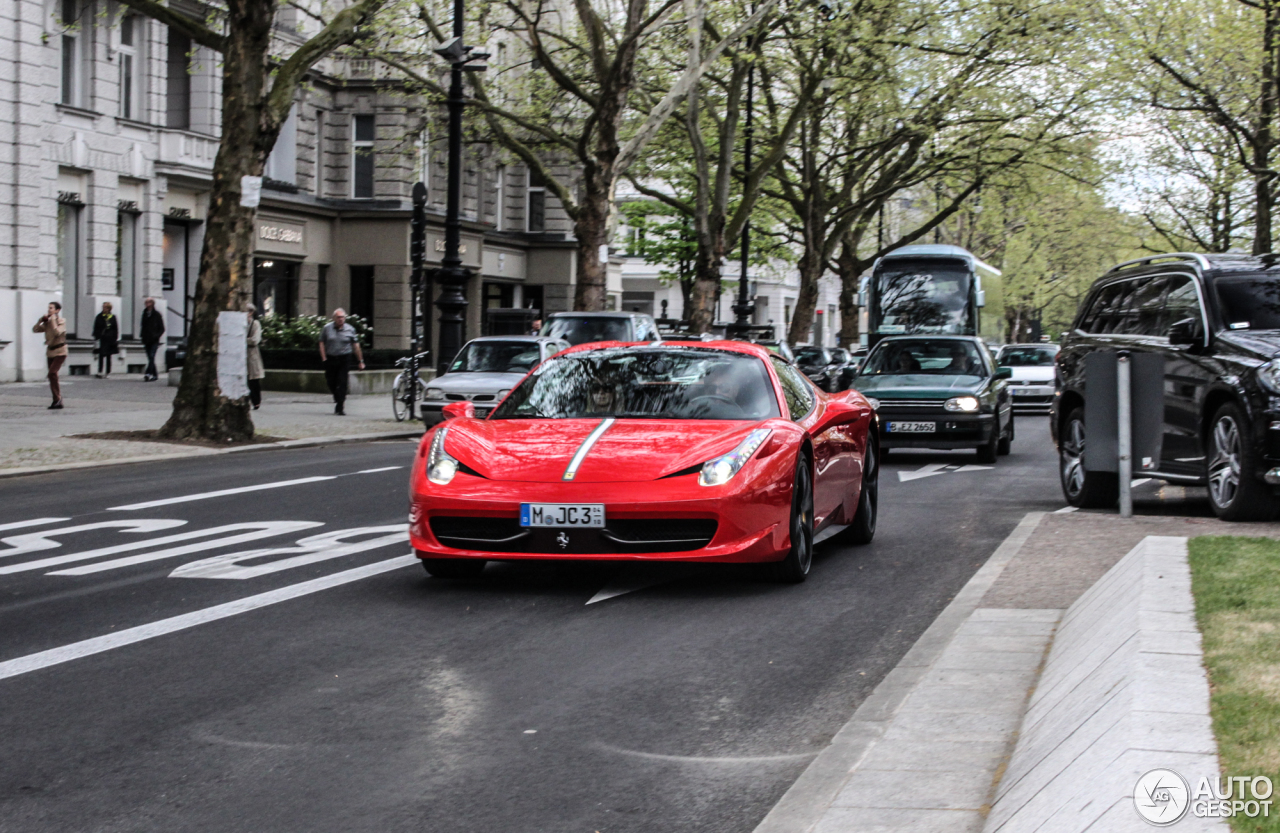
x=435, y=393
x=1269, y=375
x=441, y=467
x=718, y=471
x=964, y=404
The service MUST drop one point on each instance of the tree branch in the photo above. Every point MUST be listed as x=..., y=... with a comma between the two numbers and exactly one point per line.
x=188, y=26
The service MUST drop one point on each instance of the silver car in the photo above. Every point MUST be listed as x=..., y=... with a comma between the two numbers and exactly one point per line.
x=485, y=370
x=1034, y=371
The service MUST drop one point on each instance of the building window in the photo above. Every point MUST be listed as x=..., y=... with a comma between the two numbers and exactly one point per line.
x=131, y=66
x=536, y=210
x=178, y=82
x=362, y=131
x=500, y=199
x=361, y=302
x=126, y=268
x=322, y=158
x=72, y=54
x=282, y=164
x=422, y=165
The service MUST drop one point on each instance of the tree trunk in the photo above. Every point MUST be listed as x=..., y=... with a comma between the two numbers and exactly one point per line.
x=850, y=269
x=1264, y=138
x=706, y=280
x=810, y=269
x=592, y=231
x=226, y=274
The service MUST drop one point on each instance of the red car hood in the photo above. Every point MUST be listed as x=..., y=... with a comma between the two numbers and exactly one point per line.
x=537, y=450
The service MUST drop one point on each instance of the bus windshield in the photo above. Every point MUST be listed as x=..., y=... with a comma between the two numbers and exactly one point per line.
x=924, y=297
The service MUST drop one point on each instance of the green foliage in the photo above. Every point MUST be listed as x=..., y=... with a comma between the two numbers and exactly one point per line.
x=1236, y=584
x=663, y=236
x=303, y=331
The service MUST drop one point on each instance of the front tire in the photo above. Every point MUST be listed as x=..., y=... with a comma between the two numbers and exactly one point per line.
x=1083, y=489
x=453, y=568
x=863, y=528
x=795, y=567
x=1006, y=441
x=1234, y=492
x=988, y=451
x=401, y=404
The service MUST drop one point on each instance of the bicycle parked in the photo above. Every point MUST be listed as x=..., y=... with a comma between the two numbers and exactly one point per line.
x=404, y=392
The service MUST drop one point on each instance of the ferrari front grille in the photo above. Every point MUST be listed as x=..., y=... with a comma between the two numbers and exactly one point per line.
x=620, y=536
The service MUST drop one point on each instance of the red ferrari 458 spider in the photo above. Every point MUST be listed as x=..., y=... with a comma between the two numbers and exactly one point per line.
x=677, y=451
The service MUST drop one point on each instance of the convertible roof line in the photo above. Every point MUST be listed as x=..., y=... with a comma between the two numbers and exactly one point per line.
x=572, y=470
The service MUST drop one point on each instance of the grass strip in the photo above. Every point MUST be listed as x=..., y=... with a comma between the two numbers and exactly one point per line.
x=1236, y=582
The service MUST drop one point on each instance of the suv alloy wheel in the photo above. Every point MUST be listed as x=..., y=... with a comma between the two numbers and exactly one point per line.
x=1234, y=492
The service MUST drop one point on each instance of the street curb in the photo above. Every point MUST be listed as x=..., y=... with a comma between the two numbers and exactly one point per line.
x=197, y=451
x=804, y=804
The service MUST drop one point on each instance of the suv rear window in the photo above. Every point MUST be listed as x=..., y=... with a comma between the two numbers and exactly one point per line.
x=1249, y=301
x=580, y=330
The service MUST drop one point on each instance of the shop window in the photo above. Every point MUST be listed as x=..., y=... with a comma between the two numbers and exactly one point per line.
x=362, y=131
x=361, y=303
x=178, y=82
x=275, y=287
x=536, y=209
x=126, y=269
x=500, y=199
x=499, y=295
x=132, y=68
x=69, y=257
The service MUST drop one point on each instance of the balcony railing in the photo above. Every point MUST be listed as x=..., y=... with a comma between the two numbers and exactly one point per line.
x=187, y=149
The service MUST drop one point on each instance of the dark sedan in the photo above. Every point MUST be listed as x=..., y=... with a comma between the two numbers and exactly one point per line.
x=939, y=392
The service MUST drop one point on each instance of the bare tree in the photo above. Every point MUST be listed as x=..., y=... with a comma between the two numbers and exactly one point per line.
x=258, y=88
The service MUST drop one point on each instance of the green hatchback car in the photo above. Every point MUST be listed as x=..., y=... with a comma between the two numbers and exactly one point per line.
x=939, y=392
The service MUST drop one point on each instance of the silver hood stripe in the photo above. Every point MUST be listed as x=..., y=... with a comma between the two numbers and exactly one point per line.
x=572, y=471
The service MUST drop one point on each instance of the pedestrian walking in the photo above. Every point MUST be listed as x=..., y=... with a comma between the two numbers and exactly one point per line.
x=54, y=327
x=106, y=331
x=338, y=341
x=151, y=329
x=254, y=357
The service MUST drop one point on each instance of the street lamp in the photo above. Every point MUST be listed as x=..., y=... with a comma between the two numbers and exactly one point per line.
x=744, y=309
x=452, y=275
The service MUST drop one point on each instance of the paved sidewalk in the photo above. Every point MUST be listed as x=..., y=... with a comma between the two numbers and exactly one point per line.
x=925, y=752
x=33, y=436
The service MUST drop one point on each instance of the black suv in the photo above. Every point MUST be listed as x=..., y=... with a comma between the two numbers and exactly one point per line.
x=1215, y=319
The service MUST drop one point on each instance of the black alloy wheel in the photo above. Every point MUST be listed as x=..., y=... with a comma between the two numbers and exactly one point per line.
x=795, y=567
x=1235, y=493
x=1082, y=488
x=863, y=528
x=453, y=567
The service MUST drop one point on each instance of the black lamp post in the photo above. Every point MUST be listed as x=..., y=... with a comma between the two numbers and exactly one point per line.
x=418, y=320
x=745, y=307
x=452, y=275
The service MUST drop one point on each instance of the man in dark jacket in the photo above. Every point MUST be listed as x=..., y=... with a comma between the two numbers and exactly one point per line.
x=106, y=331
x=151, y=329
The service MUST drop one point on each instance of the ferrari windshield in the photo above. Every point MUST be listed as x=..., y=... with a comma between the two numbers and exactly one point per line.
x=937, y=357
x=496, y=357
x=645, y=383
x=924, y=297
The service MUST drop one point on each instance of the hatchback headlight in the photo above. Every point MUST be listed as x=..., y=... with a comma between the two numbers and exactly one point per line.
x=435, y=393
x=441, y=467
x=1269, y=375
x=720, y=470
x=502, y=393
x=874, y=403
x=963, y=404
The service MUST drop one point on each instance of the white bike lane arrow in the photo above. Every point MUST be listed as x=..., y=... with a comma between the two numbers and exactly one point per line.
x=937, y=468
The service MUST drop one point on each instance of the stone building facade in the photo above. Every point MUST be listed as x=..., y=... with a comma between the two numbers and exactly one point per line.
x=109, y=125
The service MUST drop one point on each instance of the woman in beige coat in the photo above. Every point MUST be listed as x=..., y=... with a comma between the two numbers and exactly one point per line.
x=54, y=327
x=254, y=358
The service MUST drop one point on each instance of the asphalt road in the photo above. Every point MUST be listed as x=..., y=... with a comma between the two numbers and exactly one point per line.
x=347, y=691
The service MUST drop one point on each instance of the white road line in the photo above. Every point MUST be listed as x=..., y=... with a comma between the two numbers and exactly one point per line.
x=621, y=589
x=1066, y=510
x=99, y=644
x=975, y=468
x=928, y=470
x=375, y=471
x=257, y=530
x=169, y=501
x=35, y=522
x=38, y=541
x=322, y=547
